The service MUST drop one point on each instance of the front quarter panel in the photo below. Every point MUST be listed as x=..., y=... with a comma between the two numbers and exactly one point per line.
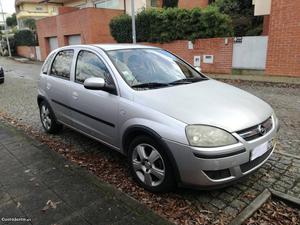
x=133, y=114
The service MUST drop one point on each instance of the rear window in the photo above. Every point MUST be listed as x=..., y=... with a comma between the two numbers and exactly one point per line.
x=45, y=67
x=62, y=63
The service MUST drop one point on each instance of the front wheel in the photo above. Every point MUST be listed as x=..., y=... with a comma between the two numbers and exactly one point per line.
x=48, y=119
x=150, y=165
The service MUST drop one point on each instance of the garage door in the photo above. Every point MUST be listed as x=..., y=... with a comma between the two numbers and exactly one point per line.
x=53, y=43
x=74, y=40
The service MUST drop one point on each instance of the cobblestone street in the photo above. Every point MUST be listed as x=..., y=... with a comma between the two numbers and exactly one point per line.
x=281, y=172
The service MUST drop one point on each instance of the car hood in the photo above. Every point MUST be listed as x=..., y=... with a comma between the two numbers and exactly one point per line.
x=207, y=102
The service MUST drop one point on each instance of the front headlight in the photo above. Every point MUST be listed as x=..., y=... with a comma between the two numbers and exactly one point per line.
x=206, y=136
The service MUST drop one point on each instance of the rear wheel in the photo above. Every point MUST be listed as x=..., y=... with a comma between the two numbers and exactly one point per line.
x=150, y=165
x=48, y=119
x=1, y=81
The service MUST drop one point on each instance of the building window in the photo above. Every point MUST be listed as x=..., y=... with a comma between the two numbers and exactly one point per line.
x=153, y=3
x=110, y=4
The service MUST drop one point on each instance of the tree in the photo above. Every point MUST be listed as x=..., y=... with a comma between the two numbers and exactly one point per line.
x=11, y=21
x=30, y=23
x=170, y=3
x=26, y=38
x=242, y=14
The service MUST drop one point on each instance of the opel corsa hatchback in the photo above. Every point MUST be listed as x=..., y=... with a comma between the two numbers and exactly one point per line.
x=175, y=125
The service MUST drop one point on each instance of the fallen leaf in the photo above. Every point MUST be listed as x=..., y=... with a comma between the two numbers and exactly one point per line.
x=50, y=204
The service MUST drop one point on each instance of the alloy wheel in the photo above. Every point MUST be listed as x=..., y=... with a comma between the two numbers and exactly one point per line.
x=148, y=165
x=45, y=116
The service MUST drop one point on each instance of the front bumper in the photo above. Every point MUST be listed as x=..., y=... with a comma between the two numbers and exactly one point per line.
x=207, y=167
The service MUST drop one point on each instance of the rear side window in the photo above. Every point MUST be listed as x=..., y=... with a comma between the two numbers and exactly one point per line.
x=46, y=64
x=90, y=65
x=62, y=63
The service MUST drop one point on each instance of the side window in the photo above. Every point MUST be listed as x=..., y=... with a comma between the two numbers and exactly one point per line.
x=46, y=64
x=89, y=65
x=61, y=66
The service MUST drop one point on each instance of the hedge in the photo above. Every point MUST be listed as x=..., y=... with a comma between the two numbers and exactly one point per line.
x=169, y=24
x=25, y=37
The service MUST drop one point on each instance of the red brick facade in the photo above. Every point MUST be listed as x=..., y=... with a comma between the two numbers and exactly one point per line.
x=91, y=24
x=266, y=26
x=26, y=52
x=284, y=38
x=188, y=4
x=218, y=47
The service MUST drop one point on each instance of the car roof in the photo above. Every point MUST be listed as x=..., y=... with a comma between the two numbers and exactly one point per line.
x=110, y=47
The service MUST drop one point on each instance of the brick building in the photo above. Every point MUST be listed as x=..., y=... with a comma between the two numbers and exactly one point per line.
x=282, y=25
x=73, y=26
x=87, y=21
x=192, y=3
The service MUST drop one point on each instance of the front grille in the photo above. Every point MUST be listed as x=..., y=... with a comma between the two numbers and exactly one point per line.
x=217, y=174
x=257, y=131
x=250, y=165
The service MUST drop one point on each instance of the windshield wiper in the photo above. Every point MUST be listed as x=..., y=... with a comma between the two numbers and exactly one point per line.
x=187, y=80
x=150, y=85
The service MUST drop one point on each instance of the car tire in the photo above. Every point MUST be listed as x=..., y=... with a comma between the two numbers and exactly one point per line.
x=150, y=165
x=1, y=81
x=48, y=119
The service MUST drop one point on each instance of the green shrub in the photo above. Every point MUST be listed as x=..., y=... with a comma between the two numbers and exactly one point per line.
x=26, y=38
x=169, y=24
x=120, y=28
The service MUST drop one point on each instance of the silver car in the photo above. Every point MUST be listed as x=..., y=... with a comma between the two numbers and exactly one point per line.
x=175, y=125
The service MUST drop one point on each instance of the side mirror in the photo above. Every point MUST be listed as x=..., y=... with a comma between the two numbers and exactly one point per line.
x=94, y=83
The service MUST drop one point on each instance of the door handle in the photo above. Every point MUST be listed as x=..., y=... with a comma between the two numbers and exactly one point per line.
x=75, y=95
x=48, y=86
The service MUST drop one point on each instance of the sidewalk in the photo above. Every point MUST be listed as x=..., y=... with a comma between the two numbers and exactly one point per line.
x=38, y=186
x=259, y=78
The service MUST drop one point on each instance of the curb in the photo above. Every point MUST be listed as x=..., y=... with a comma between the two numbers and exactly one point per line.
x=252, y=208
x=286, y=198
x=287, y=154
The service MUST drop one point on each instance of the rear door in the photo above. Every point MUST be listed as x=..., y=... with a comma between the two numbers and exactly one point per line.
x=58, y=85
x=94, y=111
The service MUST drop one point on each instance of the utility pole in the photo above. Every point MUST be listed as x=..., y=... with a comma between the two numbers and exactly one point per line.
x=5, y=29
x=133, y=22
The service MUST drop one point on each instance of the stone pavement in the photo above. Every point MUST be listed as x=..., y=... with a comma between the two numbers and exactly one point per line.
x=37, y=186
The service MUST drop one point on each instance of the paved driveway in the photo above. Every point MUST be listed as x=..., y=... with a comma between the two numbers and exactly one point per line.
x=282, y=172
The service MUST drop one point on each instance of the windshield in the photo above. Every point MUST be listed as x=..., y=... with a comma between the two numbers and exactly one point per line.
x=153, y=68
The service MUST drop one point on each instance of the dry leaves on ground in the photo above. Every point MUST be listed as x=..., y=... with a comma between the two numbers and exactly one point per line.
x=50, y=205
x=275, y=213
